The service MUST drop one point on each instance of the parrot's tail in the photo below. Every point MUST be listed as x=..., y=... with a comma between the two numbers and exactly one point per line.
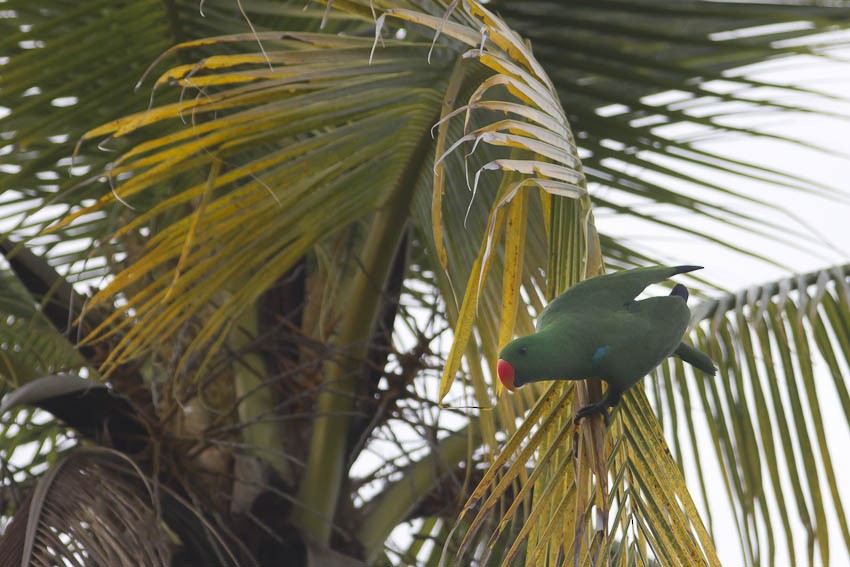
x=695, y=358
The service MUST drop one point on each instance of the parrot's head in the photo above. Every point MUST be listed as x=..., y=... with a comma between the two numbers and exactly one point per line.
x=524, y=360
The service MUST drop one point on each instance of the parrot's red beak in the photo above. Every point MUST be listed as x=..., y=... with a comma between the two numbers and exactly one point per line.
x=506, y=374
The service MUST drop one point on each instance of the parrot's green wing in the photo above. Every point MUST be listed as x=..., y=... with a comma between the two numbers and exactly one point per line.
x=611, y=291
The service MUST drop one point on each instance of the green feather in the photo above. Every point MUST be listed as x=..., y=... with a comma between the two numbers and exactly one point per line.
x=610, y=291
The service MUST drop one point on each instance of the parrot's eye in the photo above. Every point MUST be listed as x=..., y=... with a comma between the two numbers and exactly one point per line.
x=523, y=350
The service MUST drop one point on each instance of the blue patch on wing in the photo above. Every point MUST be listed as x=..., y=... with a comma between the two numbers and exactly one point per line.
x=597, y=356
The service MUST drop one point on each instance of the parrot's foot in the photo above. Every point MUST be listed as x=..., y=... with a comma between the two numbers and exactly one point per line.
x=611, y=399
x=591, y=410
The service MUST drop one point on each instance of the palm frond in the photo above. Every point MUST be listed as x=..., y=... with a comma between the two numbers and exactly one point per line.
x=302, y=189
x=66, y=65
x=31, y=345
x=783, y=351
x=90, y=407
x=30, y=442
x=72, y=66
x=644, y=83
x=95, y=507
x=90, y=508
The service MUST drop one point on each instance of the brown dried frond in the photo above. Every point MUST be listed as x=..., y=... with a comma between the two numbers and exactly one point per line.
x=91, y=508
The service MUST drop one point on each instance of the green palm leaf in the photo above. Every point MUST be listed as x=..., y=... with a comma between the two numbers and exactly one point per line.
x=31, y=345
x=772, y=378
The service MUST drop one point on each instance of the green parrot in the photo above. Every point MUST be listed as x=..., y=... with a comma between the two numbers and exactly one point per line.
x=596, y=329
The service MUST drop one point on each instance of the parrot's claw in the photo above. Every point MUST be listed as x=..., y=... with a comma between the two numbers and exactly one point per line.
x=587, y=411
x=610, y=400
x=592, y=409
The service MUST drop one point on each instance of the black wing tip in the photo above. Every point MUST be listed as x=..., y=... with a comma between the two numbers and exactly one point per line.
x=686, y=269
